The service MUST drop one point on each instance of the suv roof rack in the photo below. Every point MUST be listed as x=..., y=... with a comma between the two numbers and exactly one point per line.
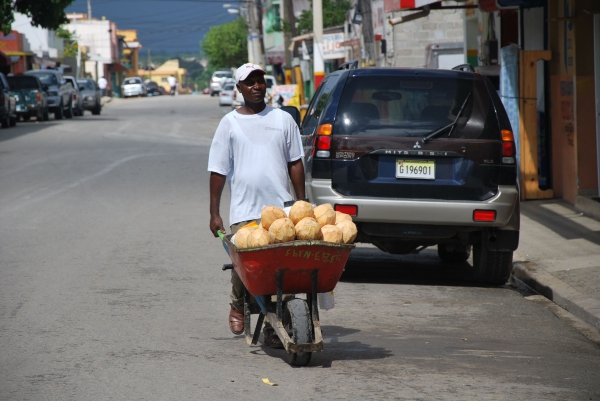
x=464, y=67
x=349, y=65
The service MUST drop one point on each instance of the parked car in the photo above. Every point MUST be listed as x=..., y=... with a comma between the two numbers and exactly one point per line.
x=32, y=100
x=217, y=79
x=60, y=98
x=91, y=95
x=77, y=98
x=154, y=89
x=133, y=86
x=226, y=95
x=238, y=100
x=8, y=104
x=418, y=158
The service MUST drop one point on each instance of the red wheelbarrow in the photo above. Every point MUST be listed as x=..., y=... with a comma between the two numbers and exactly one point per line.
x=274, y=275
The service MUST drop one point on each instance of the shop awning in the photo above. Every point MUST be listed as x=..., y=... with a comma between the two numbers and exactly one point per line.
x=117, y=67
x=44, y=62
x=398, y=5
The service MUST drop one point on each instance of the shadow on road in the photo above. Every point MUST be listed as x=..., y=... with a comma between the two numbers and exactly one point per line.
x=370, y=265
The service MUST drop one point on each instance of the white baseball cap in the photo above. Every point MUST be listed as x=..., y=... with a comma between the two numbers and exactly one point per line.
x=245, y=70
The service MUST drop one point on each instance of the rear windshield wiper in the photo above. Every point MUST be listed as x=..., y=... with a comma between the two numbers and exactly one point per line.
x=451, y=125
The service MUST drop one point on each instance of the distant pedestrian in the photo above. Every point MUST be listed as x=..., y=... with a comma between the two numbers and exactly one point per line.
x=102, y=83
x=173, y=84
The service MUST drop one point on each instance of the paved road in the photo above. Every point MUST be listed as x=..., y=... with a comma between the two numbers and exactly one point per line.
x=111, y=288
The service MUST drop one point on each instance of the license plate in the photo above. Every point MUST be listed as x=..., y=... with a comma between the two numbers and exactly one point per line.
x=415, y=169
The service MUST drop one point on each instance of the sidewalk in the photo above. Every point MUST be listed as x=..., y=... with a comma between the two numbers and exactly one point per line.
x=559, y=257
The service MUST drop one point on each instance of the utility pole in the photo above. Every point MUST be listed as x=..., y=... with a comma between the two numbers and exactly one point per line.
x=149, y=62
x=89, y=9
x=319, y=65
x=367, y=32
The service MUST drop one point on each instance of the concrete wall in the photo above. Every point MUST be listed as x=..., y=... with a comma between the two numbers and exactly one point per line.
x=95, y=36
x=411, y=38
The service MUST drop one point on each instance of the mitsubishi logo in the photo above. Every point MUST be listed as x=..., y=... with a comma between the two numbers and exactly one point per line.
x=417, y=146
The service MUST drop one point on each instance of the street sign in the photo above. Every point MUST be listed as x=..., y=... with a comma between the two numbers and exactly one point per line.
x=254, y=36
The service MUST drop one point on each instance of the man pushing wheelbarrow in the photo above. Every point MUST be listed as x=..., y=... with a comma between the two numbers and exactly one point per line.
x=257, y=149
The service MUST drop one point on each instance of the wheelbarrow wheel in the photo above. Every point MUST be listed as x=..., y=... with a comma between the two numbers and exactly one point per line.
x=301, y=330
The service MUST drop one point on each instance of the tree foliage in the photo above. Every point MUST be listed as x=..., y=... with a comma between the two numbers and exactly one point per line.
x=334, y=14
x=226, y=45
x=48, y=14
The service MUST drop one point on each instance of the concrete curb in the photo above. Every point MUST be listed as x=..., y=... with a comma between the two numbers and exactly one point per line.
x=559, y=292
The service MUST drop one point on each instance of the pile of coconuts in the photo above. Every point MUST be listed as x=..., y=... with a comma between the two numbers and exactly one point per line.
x=304, y=222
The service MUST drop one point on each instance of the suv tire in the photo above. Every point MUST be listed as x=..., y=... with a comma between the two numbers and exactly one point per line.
x=491, y=267
x=456, y=254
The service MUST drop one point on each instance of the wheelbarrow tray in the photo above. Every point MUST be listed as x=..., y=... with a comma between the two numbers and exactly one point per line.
x=258, y=267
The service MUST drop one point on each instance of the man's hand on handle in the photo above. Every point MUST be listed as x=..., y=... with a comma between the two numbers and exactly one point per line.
x=216, y=223
x=217, y=182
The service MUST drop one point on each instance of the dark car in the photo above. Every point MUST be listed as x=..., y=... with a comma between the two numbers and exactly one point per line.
x=32, y=100
x=8, y=104
x=60, y=94
x=418, y=158
x=91, y=95
x=154, y=89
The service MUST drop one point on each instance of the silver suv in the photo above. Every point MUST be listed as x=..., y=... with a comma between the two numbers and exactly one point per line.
x=218, y=79
x=60, y=92
x=418, y=158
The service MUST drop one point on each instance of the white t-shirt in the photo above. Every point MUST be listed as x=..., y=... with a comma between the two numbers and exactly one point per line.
x=172, y=81
x=253, y=152
x=102, y=83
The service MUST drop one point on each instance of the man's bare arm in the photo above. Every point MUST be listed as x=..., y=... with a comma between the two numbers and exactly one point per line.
x=217, y=183
x=296, y=172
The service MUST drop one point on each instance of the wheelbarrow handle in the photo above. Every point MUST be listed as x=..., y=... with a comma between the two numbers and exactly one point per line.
x=222, y=237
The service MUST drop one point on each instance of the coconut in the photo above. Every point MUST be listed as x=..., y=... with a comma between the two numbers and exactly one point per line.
x=241, y=237
x=269, y=214
x=258, y=237
x=281, y=230
x=325, y=214
x=339, y=217
x=349, y=231
x=308, y=229
x=300, y=210
x=331, y=233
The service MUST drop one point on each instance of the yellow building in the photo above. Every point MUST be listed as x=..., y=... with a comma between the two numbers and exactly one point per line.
x=160, y=75
x=131, y=49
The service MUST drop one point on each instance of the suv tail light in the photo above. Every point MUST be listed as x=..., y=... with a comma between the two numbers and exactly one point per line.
x=38, y=97
x=323, y=140
x=508, y=147
x=352, y=210
x=484, y=215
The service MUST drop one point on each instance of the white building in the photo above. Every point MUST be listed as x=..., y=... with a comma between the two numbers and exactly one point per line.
x=100, y=40
x=40, y=41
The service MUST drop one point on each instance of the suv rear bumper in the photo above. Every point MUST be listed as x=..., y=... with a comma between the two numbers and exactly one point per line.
x=416, y=211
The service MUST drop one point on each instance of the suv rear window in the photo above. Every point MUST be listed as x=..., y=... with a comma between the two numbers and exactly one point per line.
x=47, y=79
x=132, y=81
x=223, y=75
x=394, y=106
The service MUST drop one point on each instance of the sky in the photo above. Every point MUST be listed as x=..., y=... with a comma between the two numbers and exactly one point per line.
x=164, y=26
